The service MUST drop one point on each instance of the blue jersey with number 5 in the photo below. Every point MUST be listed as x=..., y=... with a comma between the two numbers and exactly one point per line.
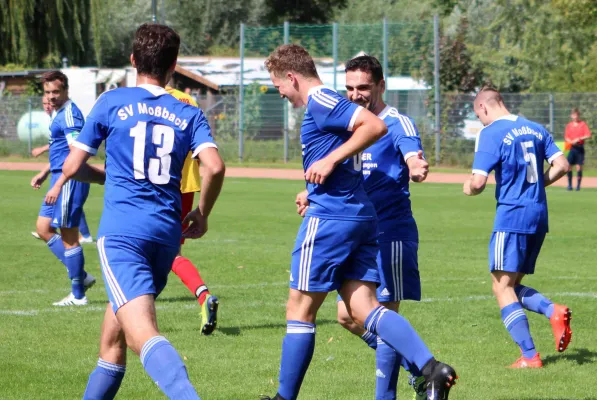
x=516, y=149
x=328, y=124
x=148, y=134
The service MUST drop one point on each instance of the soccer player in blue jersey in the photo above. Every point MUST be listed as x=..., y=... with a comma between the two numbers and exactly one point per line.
x=516, y=149
x=387, y=166
x=336, y=246
x=44, y=173
x=148, y=134
x=65, y=211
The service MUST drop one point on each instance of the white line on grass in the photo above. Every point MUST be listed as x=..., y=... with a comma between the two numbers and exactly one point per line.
x=169, y=306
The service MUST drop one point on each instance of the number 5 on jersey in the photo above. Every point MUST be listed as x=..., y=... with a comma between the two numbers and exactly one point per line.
x=159, y=168
x=531, y=159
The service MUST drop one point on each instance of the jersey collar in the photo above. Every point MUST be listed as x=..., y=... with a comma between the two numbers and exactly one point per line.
x=66, y=103
x=153, y=89
x=509, y=117
x=316, y=88
x=383, y=112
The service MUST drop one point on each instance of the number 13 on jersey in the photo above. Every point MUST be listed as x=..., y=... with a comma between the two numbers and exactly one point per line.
x=162, y=137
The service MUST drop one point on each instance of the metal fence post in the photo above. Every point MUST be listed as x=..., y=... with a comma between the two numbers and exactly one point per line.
x=335, y=51
x=552, y=127
x=286, y=107
x=241, y=95
x=385, y=56
x=437, y=91
x=30, y=125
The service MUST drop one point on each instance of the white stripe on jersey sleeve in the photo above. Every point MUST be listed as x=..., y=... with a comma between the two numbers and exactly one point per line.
x=328, y=97
x=353, y=119
x=84, y=147
x=324, y=102
x=68, y=116
x=556, y=155
x=410, y=154
x=202, y=147
x=480, y=172
x=407, y=125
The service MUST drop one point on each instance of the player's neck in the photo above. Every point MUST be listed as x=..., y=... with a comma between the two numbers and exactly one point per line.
x=502, y=112
x=148, y=80
x=307, y=85
x=379, y=108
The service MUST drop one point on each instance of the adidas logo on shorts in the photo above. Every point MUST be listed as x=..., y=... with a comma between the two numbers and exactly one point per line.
x=379, y=374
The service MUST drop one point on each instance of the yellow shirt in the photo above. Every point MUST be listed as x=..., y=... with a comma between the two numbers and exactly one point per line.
x=190, y=181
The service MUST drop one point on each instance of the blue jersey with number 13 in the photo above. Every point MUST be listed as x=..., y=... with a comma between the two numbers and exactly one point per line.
x=148, y=134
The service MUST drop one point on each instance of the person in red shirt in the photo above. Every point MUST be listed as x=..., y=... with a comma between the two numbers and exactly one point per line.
x=577, y=131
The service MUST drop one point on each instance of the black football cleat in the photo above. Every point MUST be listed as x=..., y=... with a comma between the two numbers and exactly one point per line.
x=439, y=378
x=276, y=397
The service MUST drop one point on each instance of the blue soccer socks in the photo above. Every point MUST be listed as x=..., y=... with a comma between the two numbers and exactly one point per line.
x=387, y=367
x=297, y=351
x=56, y=247
x=534, y=301
x=370, y=339
x=75, y=262
x=395, y=331
x=517, y=324
x=104, y=381
x=165, y=367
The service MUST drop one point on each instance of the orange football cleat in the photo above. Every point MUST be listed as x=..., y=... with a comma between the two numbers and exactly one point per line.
x=524, y=362
x=560, y=325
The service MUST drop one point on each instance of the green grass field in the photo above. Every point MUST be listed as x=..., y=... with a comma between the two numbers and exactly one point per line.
x=47, y=352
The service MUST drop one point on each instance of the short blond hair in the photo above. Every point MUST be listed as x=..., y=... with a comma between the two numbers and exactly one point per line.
x=291, y=58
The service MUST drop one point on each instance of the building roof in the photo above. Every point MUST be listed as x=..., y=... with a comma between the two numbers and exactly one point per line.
x=225, y=71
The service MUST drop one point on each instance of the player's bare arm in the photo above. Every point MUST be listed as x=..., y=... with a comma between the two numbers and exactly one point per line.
x=418, y=167
x=559, y=167
x=475, y=185
x=38, y=151
x=211, y=185
x=40, y=178
x=368, y=128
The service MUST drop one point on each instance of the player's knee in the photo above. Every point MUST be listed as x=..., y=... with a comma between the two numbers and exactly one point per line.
x=44, y=230
x=344, y=319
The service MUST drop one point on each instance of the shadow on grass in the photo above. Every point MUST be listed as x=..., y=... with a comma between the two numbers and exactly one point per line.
x=579, y=356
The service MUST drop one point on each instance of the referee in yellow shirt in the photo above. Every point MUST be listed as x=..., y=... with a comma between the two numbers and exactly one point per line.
x=183, y=267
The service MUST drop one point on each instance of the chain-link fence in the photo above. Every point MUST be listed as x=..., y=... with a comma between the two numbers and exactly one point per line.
x=253, y=124
x=268, y=128
x=23, y=125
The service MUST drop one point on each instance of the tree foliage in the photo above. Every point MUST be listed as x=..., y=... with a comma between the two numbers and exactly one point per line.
x=518, y=45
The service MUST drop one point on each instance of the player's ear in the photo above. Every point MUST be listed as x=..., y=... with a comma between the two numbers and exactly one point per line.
x=133, y=61
x=382, y=85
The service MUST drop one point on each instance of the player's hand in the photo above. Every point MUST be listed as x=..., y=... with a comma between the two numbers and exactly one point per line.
x=37, y=151
x=197, y=227
x=466, y=189
x=38, y=180
x=419, y=169
x=301, y=203
x=319, y=171
x=52, y=195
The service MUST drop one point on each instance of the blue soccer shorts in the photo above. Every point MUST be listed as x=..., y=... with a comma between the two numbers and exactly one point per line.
x=66, y=212
x=514, y=252
x=133, y=267
x=399, y=270
x=329, y=251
